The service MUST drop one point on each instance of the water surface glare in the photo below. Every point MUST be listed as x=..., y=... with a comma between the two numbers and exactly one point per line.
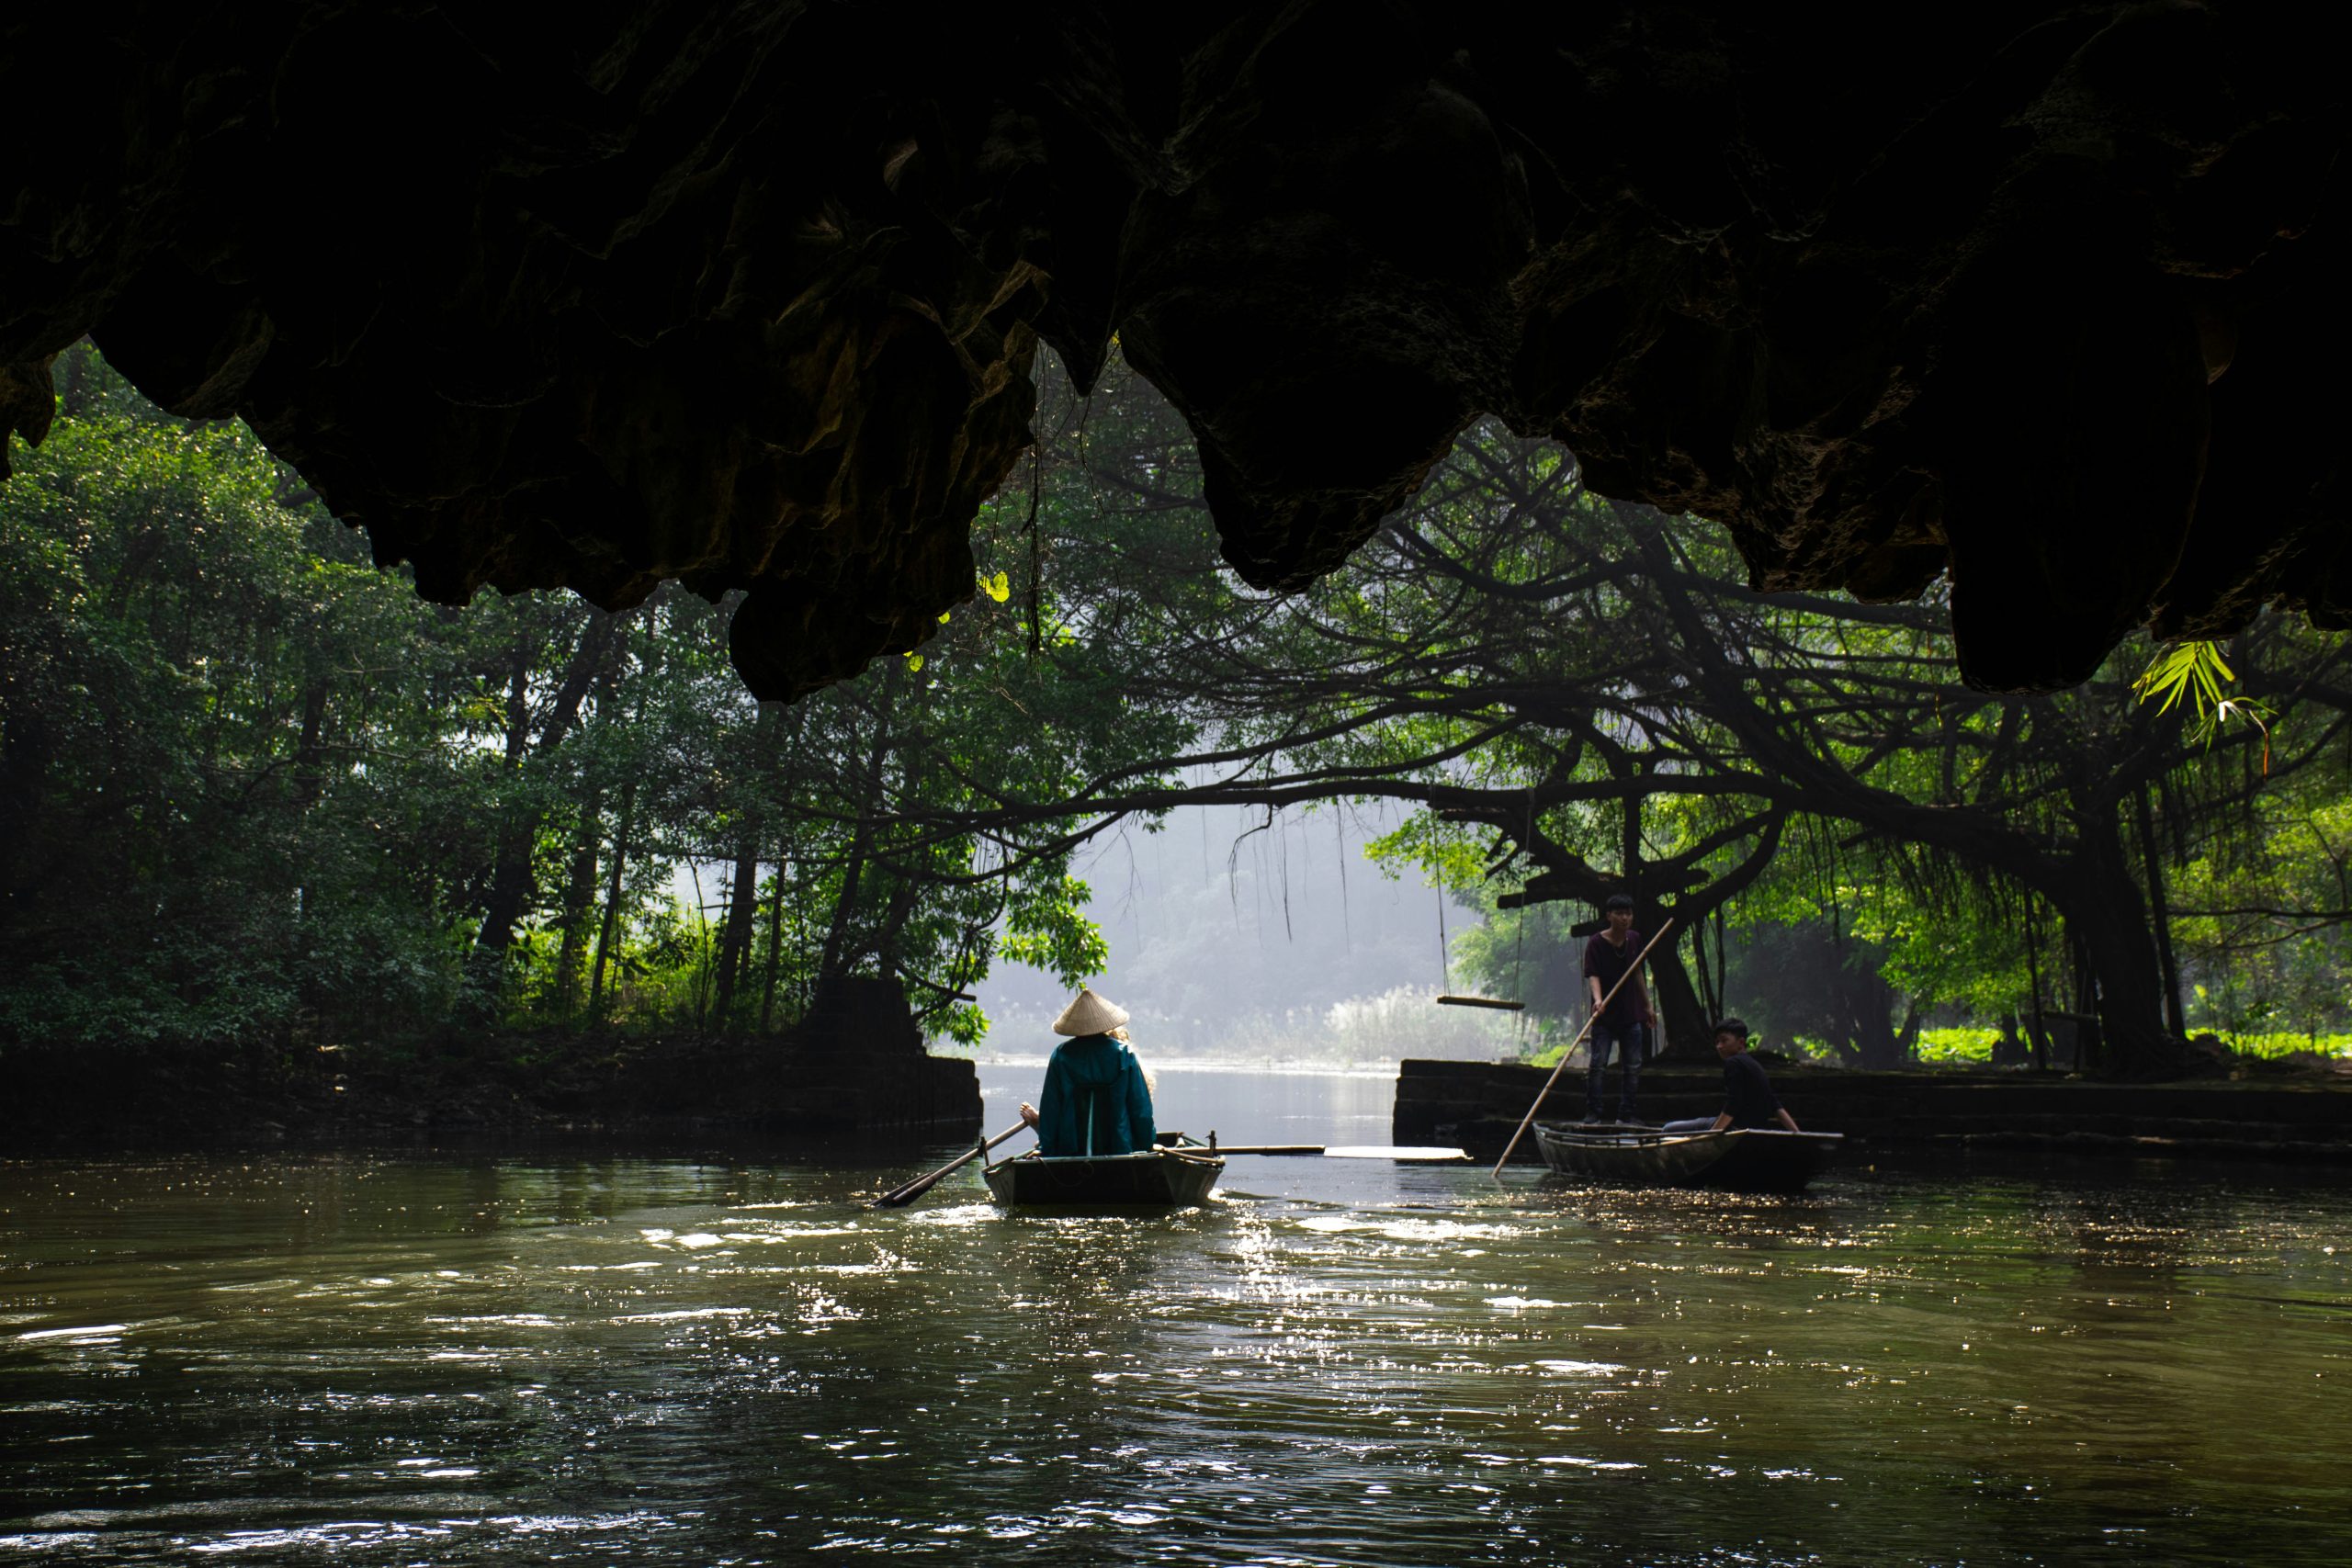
x=568, y=1358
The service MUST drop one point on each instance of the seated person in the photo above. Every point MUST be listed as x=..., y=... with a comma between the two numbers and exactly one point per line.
x=1748, y=1099
x=1096, y=1101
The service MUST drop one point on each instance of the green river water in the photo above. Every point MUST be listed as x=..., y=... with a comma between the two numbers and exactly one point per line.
x=586, y=1357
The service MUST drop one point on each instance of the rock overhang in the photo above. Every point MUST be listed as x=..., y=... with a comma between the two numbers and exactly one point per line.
x=2043, y=297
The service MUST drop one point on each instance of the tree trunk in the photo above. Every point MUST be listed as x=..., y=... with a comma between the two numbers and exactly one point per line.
x=1690, y=1032
x=2120, y=981
x=511, y=877
x=1710, y=981
x=2159, y=913
x=510, y=874
x=832, y=963
x=310, y=771
x=775, y=950
x=744, y=889
x=2037, y=1028
x=894, y=915
x=609, y=928
x=735, y=936
x=903, y=893
x=25, y=754
x=579, y=902
x=2087, y=1045
x=2091, y=887
x=1870, y=1008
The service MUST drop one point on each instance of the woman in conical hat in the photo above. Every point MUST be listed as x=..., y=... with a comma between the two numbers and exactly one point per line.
x=1096, y=1101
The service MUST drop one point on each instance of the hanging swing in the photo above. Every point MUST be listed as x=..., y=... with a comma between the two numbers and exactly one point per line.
x=1445, y=964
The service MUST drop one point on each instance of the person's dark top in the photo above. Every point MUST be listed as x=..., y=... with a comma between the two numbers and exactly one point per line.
x=1095, y=1100
x=1609, y=962
x=1747, y=1093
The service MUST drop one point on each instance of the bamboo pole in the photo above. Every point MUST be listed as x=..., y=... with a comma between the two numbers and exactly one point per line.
x=1631, y=970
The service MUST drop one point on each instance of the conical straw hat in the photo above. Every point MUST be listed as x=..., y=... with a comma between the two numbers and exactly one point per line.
x=1089, y=1014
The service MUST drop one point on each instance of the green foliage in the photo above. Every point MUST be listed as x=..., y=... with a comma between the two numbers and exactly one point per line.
x=176, y=863
x=1046, y=931
x=1956, y=1044
x=1573, y=698
x=2275, y=1047
x=254, y=791
x=2196, y=671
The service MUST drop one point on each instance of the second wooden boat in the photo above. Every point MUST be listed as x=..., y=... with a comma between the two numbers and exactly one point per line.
x=1743, y=1159
x=1161, y=1177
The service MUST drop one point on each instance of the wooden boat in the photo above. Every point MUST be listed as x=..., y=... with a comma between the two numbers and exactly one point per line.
x=1160, y=1178
x=1743, y=1159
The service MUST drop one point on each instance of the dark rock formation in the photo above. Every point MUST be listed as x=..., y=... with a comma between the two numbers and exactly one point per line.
x=856, y=1065
x=2035, y=292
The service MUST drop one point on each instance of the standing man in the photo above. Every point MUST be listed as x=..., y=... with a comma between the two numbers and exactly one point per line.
x=1626, y=1025
x=1748, y=1099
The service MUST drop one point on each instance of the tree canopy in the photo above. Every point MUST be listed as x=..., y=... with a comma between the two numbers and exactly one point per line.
x=252, y=789
x=1581, y=698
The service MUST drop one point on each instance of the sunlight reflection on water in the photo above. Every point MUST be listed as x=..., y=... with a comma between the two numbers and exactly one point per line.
x=306, y=1358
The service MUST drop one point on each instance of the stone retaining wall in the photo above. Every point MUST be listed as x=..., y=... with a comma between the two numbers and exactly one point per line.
x=1476, y=1105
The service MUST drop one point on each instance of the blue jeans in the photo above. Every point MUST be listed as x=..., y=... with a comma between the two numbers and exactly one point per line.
x=1630, y=1040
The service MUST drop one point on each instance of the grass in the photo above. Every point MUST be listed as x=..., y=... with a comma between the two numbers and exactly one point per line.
x=1965, y=1045
x=1962, y=1044
x=2271, y=1046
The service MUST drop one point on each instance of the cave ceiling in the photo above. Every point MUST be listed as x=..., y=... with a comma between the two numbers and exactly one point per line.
x=2045, y=297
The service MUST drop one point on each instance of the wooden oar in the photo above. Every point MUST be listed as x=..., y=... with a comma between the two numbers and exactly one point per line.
x=1258, y=1149
x=1631, y=970
x=1353, y=1151
x=900, y=1197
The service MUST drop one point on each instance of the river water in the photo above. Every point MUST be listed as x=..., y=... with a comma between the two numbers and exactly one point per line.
x=585, y=1357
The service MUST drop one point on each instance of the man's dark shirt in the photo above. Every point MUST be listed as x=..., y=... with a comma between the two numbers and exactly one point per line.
x=1607, y=961
x=1747, y=1093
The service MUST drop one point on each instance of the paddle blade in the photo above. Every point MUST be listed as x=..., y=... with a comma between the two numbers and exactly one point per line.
x=900, y=1197
x=1417, y=1153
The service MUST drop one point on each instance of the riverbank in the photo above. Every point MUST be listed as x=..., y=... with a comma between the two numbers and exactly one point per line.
x=485, y=1087
x=519, y=1091
x=1476, y=1106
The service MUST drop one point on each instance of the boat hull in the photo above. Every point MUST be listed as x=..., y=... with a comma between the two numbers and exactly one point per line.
x=1161, y=1178
x=1741, y=1160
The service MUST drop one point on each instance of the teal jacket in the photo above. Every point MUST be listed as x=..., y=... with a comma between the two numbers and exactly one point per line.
x=1093, y=1082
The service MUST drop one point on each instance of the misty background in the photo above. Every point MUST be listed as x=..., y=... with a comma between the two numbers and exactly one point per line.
x=1236, y=937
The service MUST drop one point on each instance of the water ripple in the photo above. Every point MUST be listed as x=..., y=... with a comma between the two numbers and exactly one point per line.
x=616, y=1361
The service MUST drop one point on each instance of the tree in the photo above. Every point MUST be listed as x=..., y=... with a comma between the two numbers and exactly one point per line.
x=1594, y=689
x=256, y=793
